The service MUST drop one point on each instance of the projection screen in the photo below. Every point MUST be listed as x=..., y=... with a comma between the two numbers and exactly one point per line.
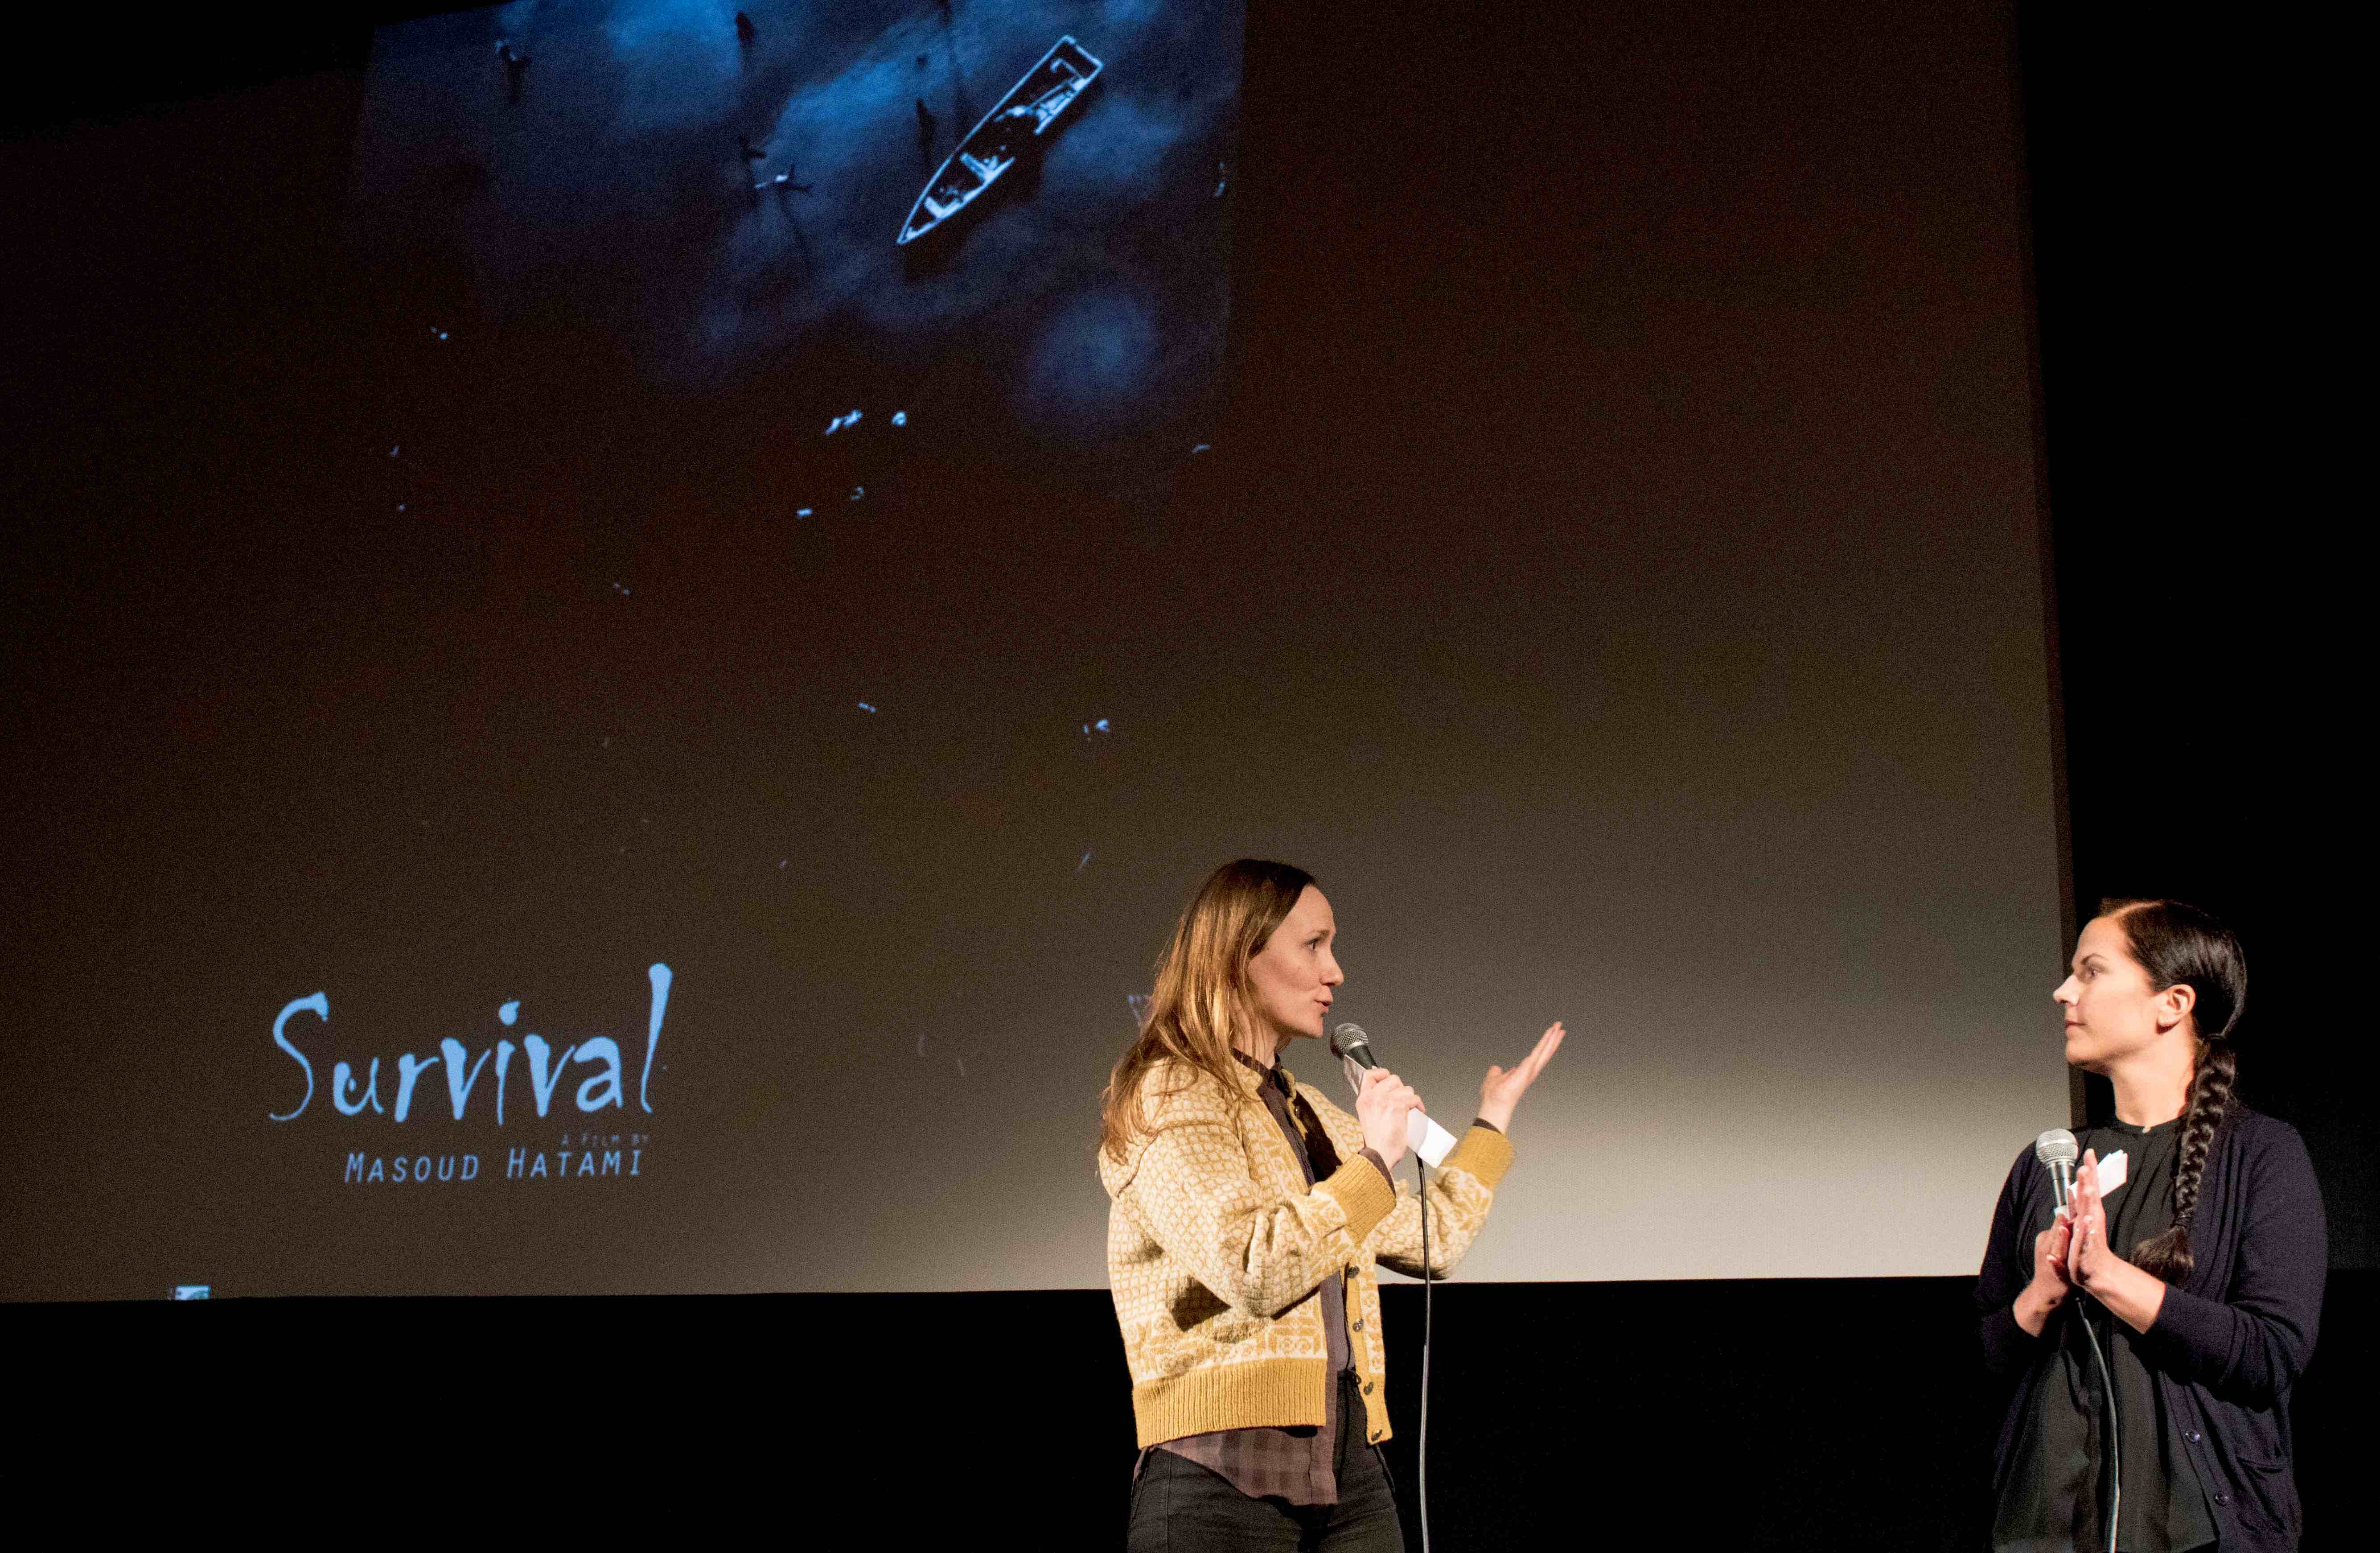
x=651, y=743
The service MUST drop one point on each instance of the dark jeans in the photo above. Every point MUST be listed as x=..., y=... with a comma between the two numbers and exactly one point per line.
x=1180, y=1507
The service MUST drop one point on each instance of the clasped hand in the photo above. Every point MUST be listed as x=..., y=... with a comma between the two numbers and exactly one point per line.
x=2073, y=1254
x=2081, y=1256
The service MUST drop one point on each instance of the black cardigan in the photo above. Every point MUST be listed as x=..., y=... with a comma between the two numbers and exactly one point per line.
x=2228, y=1343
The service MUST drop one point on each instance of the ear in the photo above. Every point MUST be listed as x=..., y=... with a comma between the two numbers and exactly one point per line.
x=2174, y=1004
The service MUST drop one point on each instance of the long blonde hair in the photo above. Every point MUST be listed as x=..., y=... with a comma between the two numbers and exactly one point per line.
x=1203, y=995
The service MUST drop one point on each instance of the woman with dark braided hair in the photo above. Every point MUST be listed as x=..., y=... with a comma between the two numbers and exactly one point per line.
x=2196, y=1264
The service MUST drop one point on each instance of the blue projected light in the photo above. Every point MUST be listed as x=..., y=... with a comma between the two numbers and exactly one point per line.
x=193, y=1290
x=1005, y=217
x=1095, y=358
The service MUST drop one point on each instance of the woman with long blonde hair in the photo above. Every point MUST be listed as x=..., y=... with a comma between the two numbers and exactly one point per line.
x=1246, y=1215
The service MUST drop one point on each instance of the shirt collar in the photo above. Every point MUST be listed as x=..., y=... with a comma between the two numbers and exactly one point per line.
x=1277, y=1075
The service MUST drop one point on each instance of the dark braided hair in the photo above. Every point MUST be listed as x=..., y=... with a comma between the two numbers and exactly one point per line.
x=2180, y=945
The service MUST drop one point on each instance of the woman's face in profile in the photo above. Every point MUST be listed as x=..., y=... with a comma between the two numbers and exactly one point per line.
x=1294, y=972
x=2111, y=1009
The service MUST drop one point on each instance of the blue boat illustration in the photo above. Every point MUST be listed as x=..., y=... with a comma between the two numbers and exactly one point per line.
x=992, y=147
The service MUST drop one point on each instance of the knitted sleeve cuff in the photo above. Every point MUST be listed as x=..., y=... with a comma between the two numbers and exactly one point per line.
x=1364, y=1194
x=1484, y=1152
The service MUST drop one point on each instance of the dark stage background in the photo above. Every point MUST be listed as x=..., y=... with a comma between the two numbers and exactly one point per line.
x=1717, y=1412
x=2199, y=638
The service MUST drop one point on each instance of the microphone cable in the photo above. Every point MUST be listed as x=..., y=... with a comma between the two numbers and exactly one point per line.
x=1421, y=1449
x=1353, y=1066
x=2115, y=1441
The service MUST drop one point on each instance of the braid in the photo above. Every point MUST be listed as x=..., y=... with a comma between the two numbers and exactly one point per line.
x=2179, y=945
x=2169, y=1254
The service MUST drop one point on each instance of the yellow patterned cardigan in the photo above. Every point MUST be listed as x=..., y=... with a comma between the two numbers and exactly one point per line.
x=1217, y=1251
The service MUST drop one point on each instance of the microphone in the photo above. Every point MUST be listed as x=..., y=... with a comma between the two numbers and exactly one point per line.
x=1423, y=1135
x=1349, y=1043
x=2057, y=1151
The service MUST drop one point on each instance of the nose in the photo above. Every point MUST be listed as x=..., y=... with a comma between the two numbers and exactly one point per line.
x=2068, y=993
x=1331, y=975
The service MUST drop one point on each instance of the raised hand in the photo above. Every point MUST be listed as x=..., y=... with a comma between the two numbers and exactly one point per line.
x=1503, y=1088
x=2130, y=1295
x=2088, y=1256
x=2050, y=1285
x=2049, y=1249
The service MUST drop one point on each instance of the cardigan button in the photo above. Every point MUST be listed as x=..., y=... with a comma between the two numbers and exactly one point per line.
x=1359, y=1323
x=2222, y=1498
x=2193, y=1437
x=1368, y=1387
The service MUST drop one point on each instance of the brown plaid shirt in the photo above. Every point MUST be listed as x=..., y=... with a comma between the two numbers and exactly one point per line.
x=1297, y=1463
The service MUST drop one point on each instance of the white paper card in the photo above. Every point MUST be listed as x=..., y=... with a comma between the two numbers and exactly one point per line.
x=1428, y=1139
x=2113, y=1172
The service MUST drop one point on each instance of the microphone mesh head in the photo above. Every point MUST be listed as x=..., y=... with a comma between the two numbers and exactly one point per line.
x=2056, y=1146
x=1349, y=1037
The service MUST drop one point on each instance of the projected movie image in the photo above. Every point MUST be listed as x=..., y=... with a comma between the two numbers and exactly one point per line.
x=658, y=651
x=948, y=223
x=725, y=360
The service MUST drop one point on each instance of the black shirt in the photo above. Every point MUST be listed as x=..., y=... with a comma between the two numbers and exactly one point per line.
x=2058, y=1499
